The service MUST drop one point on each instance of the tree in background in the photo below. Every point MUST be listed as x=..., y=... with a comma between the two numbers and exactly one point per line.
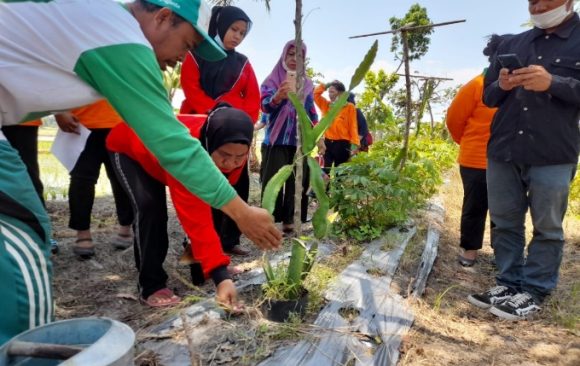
x=372, y=103
x=418, y=41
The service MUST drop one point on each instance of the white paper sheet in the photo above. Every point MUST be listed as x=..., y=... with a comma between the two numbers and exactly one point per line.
x=67, y=147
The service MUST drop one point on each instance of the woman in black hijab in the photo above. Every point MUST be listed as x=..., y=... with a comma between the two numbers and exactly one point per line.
x=231, y=80
x=226, y=134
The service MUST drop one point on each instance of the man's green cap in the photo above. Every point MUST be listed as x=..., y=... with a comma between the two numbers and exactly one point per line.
x=198, y=14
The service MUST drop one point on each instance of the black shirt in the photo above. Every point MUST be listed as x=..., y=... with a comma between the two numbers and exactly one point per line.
x=538, y=128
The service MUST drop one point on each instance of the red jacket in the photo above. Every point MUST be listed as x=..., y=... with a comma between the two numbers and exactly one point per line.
x=244, y=95
x=194, y=214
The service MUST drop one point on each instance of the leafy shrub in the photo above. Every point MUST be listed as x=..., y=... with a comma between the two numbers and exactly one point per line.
x=370, y=195
x=574, y=199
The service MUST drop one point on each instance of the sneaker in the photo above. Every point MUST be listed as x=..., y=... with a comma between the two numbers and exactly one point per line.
x=491, y=297
x=519, y=307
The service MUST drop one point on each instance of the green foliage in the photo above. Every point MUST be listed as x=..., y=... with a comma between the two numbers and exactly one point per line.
x=273, y=187
x=419, y=40
x=371, y=102
x=285, y=281
x=320, y=217
x=316, y=76
x=574, y=198
x=172, y=79
x=370, y=195
x=304, y=124
x=364, y=66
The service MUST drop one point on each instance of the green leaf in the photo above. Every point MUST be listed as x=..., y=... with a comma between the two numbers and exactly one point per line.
x=295, y=267
x=273, y=187
x=399, y=158
x=308, y=141
x=268, y=271
x=327, y=120
x=364, y=66
x=309, y=259
x=319, y=219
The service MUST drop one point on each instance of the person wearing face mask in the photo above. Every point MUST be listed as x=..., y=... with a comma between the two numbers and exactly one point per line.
x=341, y=138
x=279, y=146
x=231, y=80
x=532, y=156
x=226, y=134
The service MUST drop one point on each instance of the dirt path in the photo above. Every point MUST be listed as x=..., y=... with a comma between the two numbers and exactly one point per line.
x=447, y=330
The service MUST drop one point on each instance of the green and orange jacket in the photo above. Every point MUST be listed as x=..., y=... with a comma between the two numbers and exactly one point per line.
x=75, y=52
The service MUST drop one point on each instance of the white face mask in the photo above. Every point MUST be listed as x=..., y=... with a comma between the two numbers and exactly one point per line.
x=552, y=18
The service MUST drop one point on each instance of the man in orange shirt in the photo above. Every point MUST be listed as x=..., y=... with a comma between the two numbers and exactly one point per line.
x=100, y=118
x=341, y=138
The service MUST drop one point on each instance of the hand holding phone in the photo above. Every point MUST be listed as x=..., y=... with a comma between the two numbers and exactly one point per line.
x=510, y=61
x=291, y=78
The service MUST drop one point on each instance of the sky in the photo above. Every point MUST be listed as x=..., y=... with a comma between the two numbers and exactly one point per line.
x=455, y=50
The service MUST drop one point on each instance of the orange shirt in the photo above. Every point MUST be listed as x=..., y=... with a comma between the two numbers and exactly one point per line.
x=469, y=121
x=344, y=126
x=97, y=115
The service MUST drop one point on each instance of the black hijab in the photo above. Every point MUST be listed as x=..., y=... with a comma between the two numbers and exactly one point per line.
x=226, y=125
x=217, y=78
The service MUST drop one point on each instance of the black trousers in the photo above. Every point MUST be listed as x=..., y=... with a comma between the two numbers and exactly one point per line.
x=227, y=228
x=149, y=201
x=337, y=152
x=83, y=179
x=274, y=158
x=24, y=139
x=474, y=210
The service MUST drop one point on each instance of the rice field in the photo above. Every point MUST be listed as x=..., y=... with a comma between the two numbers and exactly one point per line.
x=53, y=174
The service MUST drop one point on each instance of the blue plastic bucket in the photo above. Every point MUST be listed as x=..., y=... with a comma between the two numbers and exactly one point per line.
x=106, y=342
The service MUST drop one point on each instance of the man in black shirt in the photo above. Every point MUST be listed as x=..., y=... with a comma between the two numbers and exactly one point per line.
x=532, y=156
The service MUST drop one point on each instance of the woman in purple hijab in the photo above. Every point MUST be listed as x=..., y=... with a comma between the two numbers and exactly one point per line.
x=280, y=139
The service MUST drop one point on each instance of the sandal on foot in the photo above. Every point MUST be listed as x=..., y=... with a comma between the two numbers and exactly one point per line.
x=161, y=298
x=122, y=241
x=84, y=252
x=466, y=262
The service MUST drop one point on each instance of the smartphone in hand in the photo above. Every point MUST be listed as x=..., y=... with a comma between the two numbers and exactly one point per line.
x=291, y=78
x=510, y=61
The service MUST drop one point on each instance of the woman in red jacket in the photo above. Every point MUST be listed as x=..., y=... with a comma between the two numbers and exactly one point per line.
x=226, y=134
x=231, y=80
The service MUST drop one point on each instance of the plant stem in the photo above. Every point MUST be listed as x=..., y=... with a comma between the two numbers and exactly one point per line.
x=301, y=74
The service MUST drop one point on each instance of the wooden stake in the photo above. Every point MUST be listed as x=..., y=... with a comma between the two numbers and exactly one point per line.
x=42, y=350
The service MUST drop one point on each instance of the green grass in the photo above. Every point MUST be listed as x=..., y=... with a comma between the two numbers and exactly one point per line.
x=564, y=307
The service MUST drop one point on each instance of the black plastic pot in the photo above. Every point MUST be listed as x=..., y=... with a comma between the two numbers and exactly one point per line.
x=279, y=310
